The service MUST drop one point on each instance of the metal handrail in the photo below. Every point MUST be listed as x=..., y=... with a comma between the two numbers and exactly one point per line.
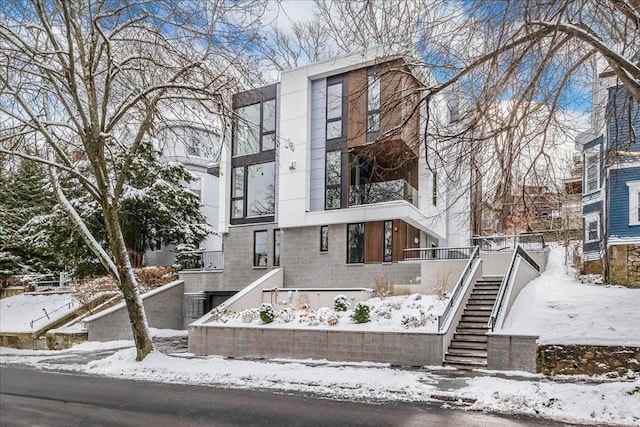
x=438, y=253
x=519, y=252
x=531, y=241
x=475, y=255
x=68, y=305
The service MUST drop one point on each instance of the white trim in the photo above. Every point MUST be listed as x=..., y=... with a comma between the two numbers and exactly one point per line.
x=591, y=256
x=634, y=200
x=585, y=185
x=625, y=165
x=590, y=218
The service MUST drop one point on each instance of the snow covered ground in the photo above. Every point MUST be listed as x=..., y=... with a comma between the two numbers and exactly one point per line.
x=588, y=401
x=561, y=310
x=17, y=312
x=417, y=313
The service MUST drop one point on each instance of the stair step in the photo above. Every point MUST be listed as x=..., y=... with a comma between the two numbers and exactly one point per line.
x=471, y=331
x=475, y=319
x=466, y=365
x=464, y=359
x=474, y=345
x=480, y=305
x=472, y=324
x=477, y=297
x=484, y=292
x=468, y=352
x=476, y=312
x=469, y=338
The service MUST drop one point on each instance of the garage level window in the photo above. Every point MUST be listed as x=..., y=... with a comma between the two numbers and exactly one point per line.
x=355, y=243
x=324, y=238
x=260, y=248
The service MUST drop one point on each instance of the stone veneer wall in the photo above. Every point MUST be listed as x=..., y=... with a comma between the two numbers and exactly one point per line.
x=624, y=265
x=396, y=348
x=303, y=264
x=587, y=359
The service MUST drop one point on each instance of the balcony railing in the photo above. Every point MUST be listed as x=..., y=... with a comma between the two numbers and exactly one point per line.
x=202, y=260
x=438, y=253
x=533, y=241
x=385, y=191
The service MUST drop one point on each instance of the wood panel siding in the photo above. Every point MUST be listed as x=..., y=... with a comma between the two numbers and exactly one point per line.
x=373, y=241
x=357, y=108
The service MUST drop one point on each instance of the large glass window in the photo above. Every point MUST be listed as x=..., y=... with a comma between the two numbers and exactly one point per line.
x=334, y=111
x=355, y=243
x=592, y=175
x=388, y=241
x=324, y=238
x=276, y=248
x=246, y=136
x=260, y=248
x=261, y=180
x=237, y=193
x=333, y=191
x=373, y=101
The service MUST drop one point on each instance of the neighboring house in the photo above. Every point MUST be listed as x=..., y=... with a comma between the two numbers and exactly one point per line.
x=611, y=185
x=326, y=177
x=198, y=148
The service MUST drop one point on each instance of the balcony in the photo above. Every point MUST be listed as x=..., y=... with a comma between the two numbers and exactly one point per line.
x=385, y=191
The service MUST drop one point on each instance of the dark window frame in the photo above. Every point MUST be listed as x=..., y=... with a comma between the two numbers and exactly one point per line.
x=276, y=247
x=373, y=74
x=337, y=186
x=341, y=118
x=434, y=188
x=359, y=246
x=387, y=242
x=245, y=219
x=324, y=242
x=256, y=259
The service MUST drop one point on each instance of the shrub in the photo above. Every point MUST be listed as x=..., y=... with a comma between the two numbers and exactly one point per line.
x=266, y=313
x=360, y=313
x=340, y=303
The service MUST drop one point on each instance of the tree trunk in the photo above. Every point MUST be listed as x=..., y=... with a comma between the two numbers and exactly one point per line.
x=127, y=283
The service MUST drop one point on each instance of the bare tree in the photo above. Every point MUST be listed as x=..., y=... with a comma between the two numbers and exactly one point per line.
x=85, y=85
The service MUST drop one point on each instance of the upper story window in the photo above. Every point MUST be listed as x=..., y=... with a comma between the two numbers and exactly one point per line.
x=373, y=102
x=335, y=107
x=193, y=146
x=255, y=128
x=253, y=190
x=634, y=202
x=333, y=175
x=592, y=170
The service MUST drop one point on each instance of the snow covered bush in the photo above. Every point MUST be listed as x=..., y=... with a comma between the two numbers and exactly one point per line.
x=247, y=316
x=267, y=314
x=286, y=315
x=361, y=313
x=341, y=303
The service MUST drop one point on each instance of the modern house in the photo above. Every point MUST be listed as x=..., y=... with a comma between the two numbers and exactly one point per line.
x=611, y=185
x=326, y=176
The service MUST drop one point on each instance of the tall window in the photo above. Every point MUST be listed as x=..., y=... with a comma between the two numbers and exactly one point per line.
x=255, y=128
x=388, y=241
x=334, y=111
x=355, y=243
x=593, y=231
x=373, y=103
x=434, y=189
x=592, y=170
x=193, y=146
x=253, y=190
x=333, y=191
x=324, y=238
x=260, y=248
x=276, y=248
x=634, y=202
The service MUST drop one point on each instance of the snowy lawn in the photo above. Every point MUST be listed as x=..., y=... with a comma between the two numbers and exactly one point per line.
x=393, y=313
x=561, y=310
x=594, y=402
x=17, y=312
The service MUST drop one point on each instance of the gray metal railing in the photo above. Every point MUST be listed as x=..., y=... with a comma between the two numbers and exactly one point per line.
x=50, y=280
x=532, y=241
x=519, y=252
x=473, y=258
x=68, y=306
x=202, y=260
x=438, y=253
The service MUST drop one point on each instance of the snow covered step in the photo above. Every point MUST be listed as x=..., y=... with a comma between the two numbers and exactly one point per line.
x=465, y=324
x=472, y=331
x=480, y=305
x=465, y=359
x=484, y=292
x=475, y=297
x=466, y=365
x=486, y=312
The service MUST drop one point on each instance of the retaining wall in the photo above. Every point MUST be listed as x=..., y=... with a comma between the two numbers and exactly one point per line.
x=511, y=352
x=587, y=359
x=163, y=307
x=396, y=348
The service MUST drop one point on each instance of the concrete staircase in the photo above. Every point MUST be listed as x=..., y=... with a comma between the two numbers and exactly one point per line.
x=468, y=349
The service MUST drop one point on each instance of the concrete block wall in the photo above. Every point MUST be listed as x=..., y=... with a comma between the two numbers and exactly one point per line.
x=163, y=307
x=201, y=281
x=403, y=349
x=303, y=264
x=511, y=352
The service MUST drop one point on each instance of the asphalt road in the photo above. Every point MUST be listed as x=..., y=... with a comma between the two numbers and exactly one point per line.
x=35, y=398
